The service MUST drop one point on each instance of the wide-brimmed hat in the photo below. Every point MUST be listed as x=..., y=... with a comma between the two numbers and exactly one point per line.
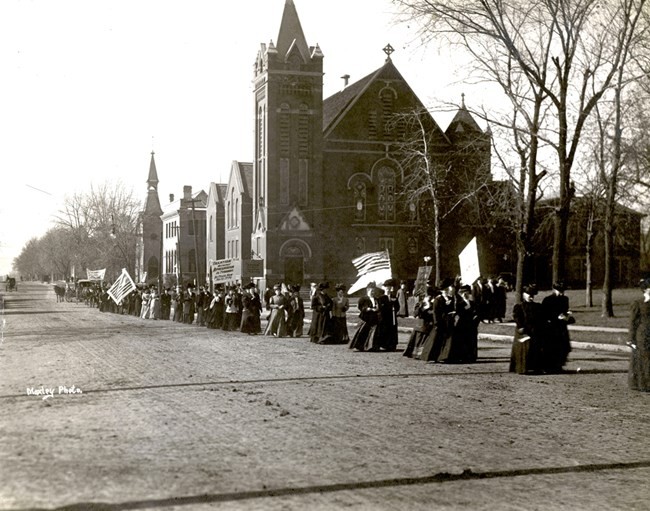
x=559, y=286
x=465, y=287
x=390, y=283
x=530, y=289
x=340, y=287
x=371, y=285
x=323, y=285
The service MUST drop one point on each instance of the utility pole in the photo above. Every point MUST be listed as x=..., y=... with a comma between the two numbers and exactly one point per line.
x=196, y=243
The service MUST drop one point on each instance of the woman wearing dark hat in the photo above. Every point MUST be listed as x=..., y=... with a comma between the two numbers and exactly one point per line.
x=557, y=343
x=368, y=318
x=462, y=345
x=639, y=372
x=251, y=310
x=444, y=307
x=526, y=355
x=339, y=315
x=321, y=330
x=385, y=336
x=423, y=311
x=296, y=323
x=277, y=320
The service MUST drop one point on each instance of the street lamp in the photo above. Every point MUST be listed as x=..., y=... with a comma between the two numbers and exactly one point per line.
x=427, y=260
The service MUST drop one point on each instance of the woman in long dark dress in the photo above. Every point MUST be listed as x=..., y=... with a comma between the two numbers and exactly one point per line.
x=386, y=332
x=423, y=312
x=341, y=304
x=639, y=373
x=251, y=310
x=526, y=355
x=444, y=307
x=462, y=345
x=368, y=319
x=321, y=330
x=296, y=324
x=557, y=343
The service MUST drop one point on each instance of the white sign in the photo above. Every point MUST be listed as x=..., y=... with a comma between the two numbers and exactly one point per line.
x=469, y=265
x=223, y=270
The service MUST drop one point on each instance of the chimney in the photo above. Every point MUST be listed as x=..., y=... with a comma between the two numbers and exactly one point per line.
x=346, y=79
x=187, y=192
x=171, y=197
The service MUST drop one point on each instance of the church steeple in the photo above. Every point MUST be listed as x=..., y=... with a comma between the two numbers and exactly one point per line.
x=152, y=205
x=152, y=180
x=291, y=35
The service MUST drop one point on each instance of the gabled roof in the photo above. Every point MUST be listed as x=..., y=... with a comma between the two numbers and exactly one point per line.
x=291, y=34
x=463, y=122
x=242, y=173
x=217, y=192
x=338, y=105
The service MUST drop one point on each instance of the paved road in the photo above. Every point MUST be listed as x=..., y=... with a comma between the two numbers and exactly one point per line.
x=180, y=417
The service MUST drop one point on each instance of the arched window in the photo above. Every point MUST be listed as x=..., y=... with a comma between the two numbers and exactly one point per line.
x=359, y=201
x=237, y=212
x=386, y=194
x=210, y=228
x=191, y=264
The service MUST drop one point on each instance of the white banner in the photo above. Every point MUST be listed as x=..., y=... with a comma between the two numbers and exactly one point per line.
x=469, y=263
x=223, y=270
x=95, y=274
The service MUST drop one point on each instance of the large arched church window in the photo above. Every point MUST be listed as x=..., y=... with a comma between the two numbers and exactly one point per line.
x=386, y=194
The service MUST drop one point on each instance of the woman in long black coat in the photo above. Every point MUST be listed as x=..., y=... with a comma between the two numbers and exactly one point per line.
x=444, y=307
x=423, y=312
x=321, y=330
x=462, y=345
x=368, y=319
x=639, y=372
x=557, y=343
x=530, y=331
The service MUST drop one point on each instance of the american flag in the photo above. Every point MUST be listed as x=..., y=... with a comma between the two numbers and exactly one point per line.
x=374, y=266
x=121, y=287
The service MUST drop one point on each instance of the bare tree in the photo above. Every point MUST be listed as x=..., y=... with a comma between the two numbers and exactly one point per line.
x=568, y=51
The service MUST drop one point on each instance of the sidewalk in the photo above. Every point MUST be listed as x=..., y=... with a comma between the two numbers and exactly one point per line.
x=507, y=339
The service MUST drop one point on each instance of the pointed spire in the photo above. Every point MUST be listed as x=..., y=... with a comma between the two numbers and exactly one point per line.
x=152, y=180
x=462, y=100
x=291, y=32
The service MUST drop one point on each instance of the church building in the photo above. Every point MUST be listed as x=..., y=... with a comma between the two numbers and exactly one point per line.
x=326, y=176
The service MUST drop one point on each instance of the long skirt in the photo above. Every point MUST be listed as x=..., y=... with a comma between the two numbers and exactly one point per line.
x=433, y=344
x=362, y=340
x=231, y=321
x=416, y=341
x=341, y=335
x=525, y=356
x=277, y=325
x=639, y=372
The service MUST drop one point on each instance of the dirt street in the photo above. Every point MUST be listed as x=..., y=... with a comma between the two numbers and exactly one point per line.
x=109, y=412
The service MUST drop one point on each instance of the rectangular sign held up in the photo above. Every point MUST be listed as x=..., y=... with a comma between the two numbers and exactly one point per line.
x=223, y=270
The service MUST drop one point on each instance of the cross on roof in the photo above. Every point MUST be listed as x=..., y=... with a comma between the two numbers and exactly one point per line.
x=388, y=49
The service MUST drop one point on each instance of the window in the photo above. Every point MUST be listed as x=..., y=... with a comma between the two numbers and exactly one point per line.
x=387, y=244
x=284, y=181
x=359, y=202
x=191, y=264
x=386, y=194
x=303, y=173
x=210, y=227
x=359, y=246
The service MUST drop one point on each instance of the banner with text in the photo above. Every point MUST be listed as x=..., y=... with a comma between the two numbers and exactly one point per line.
x=95, y=274
x=223, y=270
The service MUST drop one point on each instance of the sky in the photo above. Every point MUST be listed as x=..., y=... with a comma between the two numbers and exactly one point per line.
x=90, y=87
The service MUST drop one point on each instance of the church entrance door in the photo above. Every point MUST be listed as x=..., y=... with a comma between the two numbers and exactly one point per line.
x=294, y=270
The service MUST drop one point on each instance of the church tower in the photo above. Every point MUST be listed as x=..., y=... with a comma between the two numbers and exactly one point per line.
x=287, y=173
x=151, y=228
